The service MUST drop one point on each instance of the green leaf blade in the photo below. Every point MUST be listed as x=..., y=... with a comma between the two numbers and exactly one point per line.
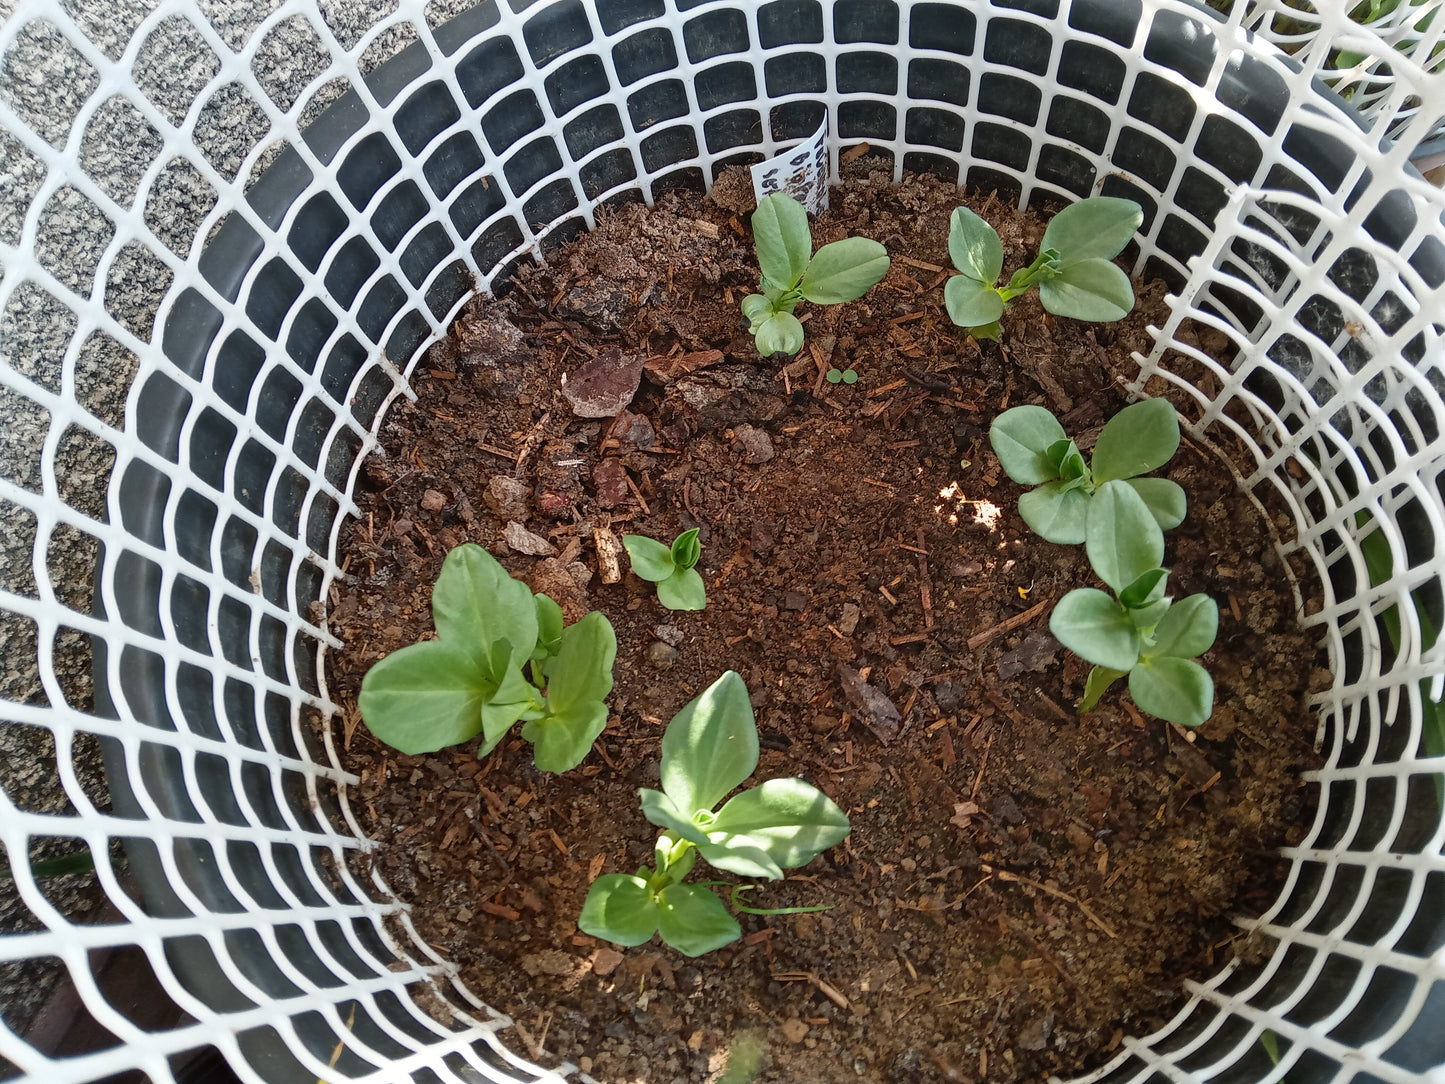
x=1096, y=685
x=784, y=242
x=1095, y=228
x=1166, y=500
x=975, y=248
x=970, y=303
x=1021, y=438
x=1096, y=628
x=619, y=908
x=710, y=746
x=686, y=549
x=1093, y=290
x=683, y=590
x=475, y=603
x=425, y=697
x=1140, y=438
x=1173, y=689
x=742, y=855
x=582, y=671
x=844, y=270
x=561, y=740
x=1188, y=629
x=780, y=333
x=1057, y=512
x=650, y=559
x=1122, y=539
x=792, y=820
x=694, y=921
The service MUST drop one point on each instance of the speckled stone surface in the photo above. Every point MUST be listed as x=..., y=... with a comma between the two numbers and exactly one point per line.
x=50, y=84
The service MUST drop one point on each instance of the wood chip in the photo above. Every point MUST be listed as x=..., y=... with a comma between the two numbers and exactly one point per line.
x=609, y=554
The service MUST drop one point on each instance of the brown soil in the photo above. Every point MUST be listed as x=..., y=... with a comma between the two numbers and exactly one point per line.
x=1022, y=885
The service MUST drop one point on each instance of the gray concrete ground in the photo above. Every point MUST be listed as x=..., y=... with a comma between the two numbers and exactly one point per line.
x=50, y=84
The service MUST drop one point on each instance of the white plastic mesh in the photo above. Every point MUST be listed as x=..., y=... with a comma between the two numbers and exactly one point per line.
x=227, y=231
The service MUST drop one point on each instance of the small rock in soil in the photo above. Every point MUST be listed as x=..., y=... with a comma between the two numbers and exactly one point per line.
x=602, y=387
x=879, y=713
x=506, y=498
x=552, y=578
x=609, y=479
x=1037, y=651
x=794, y=1030
x=669, y=634
x=522, y=540
x=433, y=501
x=634, y=429
x=754, y=443
x=661, y=655
x=849, y=621
x=605, y=961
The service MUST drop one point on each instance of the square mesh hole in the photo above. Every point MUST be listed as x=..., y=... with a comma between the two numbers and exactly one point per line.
x=46, y=80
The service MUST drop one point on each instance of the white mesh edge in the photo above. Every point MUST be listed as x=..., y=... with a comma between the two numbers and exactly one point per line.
x=1400, y=99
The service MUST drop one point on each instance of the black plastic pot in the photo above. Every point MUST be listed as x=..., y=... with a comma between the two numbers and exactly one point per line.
x=468, y=153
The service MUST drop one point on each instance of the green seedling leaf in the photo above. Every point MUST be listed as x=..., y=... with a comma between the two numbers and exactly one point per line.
x=1188, y=629
x=975, y=249
x=850, y=376
x=756, y=308
x=650, y=559
x=780, y=333
x=1140, y=438
x=1056, y=511
x=620, y=909
x=743, y=855
x=476, y=602
x=835, y=376
x=1096, y=685
x=1024, y=438
x=1096, y=628
x=844, y=270
x=1174, y=689
x=972, y=304
x=683, y=590
x=1165, y=499
x=1088, y=290
x=780, y=231
x=1147, y=616
x=1122, y=539
x=662, y=811
x=563, y=739
x=1147, y=589
x=1095, y=228
x=693, y=920
x=792, y=820
x=686, y=549
x=710, y=746
x=425, y=696
x=549, y=627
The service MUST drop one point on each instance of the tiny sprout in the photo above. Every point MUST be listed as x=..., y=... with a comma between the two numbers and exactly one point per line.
x=679, y=586
x=842, y=376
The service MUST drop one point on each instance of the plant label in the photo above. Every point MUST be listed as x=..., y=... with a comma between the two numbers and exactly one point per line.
x=801, y=172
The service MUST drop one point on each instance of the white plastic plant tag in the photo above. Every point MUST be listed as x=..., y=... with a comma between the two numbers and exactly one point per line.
x=801, y=172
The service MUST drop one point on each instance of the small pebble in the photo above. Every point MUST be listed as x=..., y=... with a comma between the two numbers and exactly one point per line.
x=661, y=655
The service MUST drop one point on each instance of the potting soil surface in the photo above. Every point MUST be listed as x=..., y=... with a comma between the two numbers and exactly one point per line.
x=1023, y=885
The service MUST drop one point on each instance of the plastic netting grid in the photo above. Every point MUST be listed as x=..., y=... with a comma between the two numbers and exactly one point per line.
x=223, y=245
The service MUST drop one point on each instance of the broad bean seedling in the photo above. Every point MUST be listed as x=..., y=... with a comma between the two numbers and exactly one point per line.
x=492, y=631
x=679, y=585
x=791, y=272
x=1072, y=271
x=710, y=747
